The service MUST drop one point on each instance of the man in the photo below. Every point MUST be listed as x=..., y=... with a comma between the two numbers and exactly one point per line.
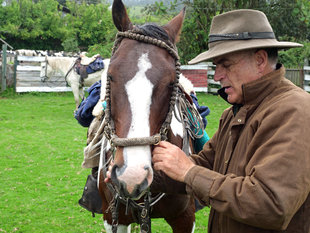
x=255, y=171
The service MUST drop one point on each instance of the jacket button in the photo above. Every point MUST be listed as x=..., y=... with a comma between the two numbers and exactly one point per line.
x=239, y=120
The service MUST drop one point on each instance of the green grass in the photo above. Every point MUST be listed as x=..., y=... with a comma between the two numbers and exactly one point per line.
x=41, y=179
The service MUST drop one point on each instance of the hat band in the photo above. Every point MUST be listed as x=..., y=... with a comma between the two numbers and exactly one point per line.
x=241, y=36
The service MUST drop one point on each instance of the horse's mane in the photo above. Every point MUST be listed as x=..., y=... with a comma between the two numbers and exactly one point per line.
x=154, y=31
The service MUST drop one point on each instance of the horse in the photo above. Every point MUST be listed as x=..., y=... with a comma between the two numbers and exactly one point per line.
x=65, y=66
x=142, y=97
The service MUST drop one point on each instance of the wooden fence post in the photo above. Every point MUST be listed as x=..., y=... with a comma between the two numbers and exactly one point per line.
x=306, y=78
x=14, y=75
x=3, y=82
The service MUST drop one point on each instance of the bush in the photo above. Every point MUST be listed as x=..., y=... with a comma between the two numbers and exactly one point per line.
x=296, y=57
x=70, y=45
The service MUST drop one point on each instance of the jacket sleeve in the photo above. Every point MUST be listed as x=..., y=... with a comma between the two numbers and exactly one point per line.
x=277, y=178
x=205, y=159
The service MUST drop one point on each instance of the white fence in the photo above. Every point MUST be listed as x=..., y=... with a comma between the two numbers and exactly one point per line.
x=30, y=76
x=307, y=78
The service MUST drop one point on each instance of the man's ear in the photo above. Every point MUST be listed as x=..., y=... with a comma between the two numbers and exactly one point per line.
x=261, y=58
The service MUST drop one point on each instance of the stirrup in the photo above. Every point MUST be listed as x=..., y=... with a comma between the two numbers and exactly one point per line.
x=91, y=199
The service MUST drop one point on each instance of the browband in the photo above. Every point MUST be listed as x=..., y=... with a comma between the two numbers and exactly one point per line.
x=241, y=36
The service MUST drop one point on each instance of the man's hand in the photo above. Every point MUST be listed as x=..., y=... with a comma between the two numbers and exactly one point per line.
x=171, y=160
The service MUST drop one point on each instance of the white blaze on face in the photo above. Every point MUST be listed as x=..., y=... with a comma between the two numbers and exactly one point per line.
x=139, y=90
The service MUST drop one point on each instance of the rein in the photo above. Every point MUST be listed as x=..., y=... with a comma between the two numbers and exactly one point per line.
x=71, y=68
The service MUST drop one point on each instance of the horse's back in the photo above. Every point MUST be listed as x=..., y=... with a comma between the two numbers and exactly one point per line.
x=60, y=63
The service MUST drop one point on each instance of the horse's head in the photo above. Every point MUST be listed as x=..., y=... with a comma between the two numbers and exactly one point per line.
x=142, y=73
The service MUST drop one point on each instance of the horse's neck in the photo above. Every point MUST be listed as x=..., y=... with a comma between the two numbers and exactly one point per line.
x=185, y=143
x=62, y=64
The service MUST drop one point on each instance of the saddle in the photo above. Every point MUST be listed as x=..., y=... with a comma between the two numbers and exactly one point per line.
x=86, y=65
x=91, y=199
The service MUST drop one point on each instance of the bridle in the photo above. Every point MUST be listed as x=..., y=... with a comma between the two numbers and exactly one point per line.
x=137, y=34
x=109, y=131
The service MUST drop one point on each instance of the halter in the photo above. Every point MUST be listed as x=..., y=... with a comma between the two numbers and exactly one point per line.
x=137, y=34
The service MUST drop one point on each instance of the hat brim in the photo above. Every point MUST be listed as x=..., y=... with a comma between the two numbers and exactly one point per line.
x=224, y=47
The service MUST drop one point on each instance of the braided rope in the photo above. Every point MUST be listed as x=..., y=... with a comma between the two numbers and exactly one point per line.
x=153, y=140
x=137, y=34
x=190, y=116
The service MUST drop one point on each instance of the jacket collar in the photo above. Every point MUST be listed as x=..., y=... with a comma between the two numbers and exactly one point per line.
x=257, y=90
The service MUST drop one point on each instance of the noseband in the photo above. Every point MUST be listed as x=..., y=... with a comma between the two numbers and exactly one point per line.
x=137, y=34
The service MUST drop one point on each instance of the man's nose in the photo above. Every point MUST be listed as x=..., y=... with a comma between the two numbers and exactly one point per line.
x=218, y=74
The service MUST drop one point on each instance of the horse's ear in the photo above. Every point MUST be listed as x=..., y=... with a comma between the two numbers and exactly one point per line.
x=174, y=27
x=120, y=16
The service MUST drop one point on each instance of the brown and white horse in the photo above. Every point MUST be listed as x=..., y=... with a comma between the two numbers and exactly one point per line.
x=141, y=91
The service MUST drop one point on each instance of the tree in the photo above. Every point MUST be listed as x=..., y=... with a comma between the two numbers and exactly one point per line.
x=41, y=25
x=290, y=20
x=32, y=25
x=90, y=25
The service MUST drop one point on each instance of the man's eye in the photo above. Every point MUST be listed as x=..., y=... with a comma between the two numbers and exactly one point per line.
x=226, y=65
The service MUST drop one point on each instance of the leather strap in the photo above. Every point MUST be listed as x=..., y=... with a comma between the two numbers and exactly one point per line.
x=241, y=36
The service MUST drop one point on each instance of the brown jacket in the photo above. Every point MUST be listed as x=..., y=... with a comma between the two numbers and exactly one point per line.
x=258, y=176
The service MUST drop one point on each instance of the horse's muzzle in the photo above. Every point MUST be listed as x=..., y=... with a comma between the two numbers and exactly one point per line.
x=132, y=182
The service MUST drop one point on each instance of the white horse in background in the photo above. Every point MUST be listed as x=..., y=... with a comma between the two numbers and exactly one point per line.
x=65, y=67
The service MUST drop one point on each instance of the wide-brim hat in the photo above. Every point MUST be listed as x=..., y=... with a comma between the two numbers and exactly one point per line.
x=240, y=30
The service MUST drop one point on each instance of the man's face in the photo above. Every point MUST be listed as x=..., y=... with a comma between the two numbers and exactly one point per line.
x=233, y=70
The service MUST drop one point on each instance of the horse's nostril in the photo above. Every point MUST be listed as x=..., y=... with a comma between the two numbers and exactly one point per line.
x=130, y=183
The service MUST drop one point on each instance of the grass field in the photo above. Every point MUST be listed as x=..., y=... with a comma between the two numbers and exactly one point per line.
x=41, y=179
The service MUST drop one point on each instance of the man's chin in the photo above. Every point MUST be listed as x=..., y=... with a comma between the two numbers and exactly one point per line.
x=232, y=100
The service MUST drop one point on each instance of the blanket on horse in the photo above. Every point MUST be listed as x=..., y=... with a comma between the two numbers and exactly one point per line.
x=84, y=113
